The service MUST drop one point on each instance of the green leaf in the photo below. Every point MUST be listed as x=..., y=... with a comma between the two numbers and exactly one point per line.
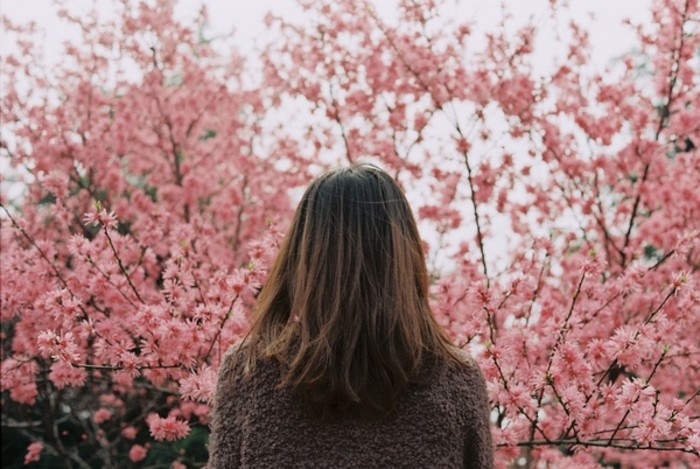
x=47, y=199
x=650, y=252
x=208, y=133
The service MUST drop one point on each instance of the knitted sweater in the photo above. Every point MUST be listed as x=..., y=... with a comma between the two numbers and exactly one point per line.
x=445, y=424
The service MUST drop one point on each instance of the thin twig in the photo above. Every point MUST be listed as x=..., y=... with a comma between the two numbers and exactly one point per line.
x=121, y=266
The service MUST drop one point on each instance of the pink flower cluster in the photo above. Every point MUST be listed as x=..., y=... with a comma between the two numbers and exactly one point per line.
x=33, y=452
x=169, y=428
x=137, y=453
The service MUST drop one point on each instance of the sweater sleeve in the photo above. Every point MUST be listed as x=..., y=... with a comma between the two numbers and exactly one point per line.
x=478, y=444
x=225, y=437
x=479, y=450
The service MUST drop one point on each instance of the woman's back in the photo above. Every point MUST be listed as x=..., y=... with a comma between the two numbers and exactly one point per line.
x=342, y=329
x=444, y=424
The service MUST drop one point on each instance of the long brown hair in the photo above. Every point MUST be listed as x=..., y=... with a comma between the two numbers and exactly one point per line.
x=345, y=305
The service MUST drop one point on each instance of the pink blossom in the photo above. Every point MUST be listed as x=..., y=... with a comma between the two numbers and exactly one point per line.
x=651, y=430
x=24, y=393
x=56, y=182
x=18, y=377
x=199, y=387
x=129, y=432
x=58, y=346
x=102, y=415
x=64, y=374
x=168, y=428
x=137, y=453
x=694, y=442
x=33, y=452
x=102, y=217
x=632, y=391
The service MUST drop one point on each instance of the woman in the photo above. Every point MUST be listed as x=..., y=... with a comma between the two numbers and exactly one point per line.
x=345, y=365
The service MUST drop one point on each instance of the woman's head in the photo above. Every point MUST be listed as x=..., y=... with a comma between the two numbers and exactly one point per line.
x=345, y=306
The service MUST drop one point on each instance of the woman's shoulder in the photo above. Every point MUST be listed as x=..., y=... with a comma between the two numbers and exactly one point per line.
x=234, y=365
x=240, y=366
x=458, y=392
x=466, y=374
x=233, y=358
x=466, y=362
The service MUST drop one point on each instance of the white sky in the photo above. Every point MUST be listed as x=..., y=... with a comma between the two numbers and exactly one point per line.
x=608, y=37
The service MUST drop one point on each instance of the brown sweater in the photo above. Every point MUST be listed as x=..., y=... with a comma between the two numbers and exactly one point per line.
x=445, y=424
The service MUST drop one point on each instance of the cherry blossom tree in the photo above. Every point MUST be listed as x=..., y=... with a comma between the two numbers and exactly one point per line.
x=134, y=255
x=560, y=213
